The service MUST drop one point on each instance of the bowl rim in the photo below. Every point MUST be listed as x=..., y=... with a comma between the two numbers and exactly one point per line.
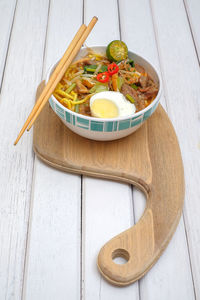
x=134, y=115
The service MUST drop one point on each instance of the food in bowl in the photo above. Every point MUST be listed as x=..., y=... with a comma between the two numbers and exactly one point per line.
x=106, y=85
x=99, y=128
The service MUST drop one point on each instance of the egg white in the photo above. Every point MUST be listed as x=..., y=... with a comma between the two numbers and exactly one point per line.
x=124, y=106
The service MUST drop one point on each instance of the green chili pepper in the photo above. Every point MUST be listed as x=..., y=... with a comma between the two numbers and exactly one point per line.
x=131, y=63
x=130, y=98
x=70, y=88
x=77, y=108
x=134, y=86
x=92, y=68
x=120, y=81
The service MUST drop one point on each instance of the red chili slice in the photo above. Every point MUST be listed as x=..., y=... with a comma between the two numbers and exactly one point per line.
x=103, y=77
x=113, y=68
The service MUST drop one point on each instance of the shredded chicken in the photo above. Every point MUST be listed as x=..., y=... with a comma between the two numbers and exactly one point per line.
x=81, y=88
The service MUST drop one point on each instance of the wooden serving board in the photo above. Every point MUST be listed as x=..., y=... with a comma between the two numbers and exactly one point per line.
x=150, y=158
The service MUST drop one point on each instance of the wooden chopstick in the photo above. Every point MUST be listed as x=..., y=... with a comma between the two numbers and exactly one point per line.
x=66, y=65
x=79, y=39
x=52, y=78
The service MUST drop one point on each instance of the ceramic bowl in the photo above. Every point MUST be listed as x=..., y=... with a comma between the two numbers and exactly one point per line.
x=106, y=129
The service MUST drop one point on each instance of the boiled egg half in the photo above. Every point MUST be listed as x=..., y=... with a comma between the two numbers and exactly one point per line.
x=110, y=105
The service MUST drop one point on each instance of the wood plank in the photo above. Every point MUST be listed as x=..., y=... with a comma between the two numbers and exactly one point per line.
x=183, y=108
x=172, y=269
x=7, y=10
x=53, y=258
x=22, y=74
x=141, y=39
x=53, y=254
x=107, y=211
x=107, y=205
x=193, y=9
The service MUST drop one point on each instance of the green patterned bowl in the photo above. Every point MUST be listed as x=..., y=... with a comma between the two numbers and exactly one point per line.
x=106, y=129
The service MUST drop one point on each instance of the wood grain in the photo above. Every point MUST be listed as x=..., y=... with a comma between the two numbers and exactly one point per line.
x=17, y=163
x=55, y=219
x=54, y=236
x=7, y=12
x=192, y=10
x=149, y=159
x=184, y=110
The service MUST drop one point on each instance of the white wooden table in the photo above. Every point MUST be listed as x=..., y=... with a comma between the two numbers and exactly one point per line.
x=52, y=224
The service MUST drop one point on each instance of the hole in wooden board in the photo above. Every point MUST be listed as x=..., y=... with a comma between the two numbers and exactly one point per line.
x=120, y=256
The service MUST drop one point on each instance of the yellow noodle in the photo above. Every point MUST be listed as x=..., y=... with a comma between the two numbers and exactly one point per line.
x=83, y=100
x=62, y=93
x=57, y=97
x=59, y=86
x=67, y=102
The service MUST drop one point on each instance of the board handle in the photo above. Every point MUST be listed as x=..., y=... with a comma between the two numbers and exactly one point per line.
x=136, y=245
x=142, y=245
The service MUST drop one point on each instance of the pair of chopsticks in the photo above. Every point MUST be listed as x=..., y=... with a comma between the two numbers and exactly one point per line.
x=58, y=73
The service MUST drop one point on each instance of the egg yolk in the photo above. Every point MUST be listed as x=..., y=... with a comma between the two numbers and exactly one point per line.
x=104, y=108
